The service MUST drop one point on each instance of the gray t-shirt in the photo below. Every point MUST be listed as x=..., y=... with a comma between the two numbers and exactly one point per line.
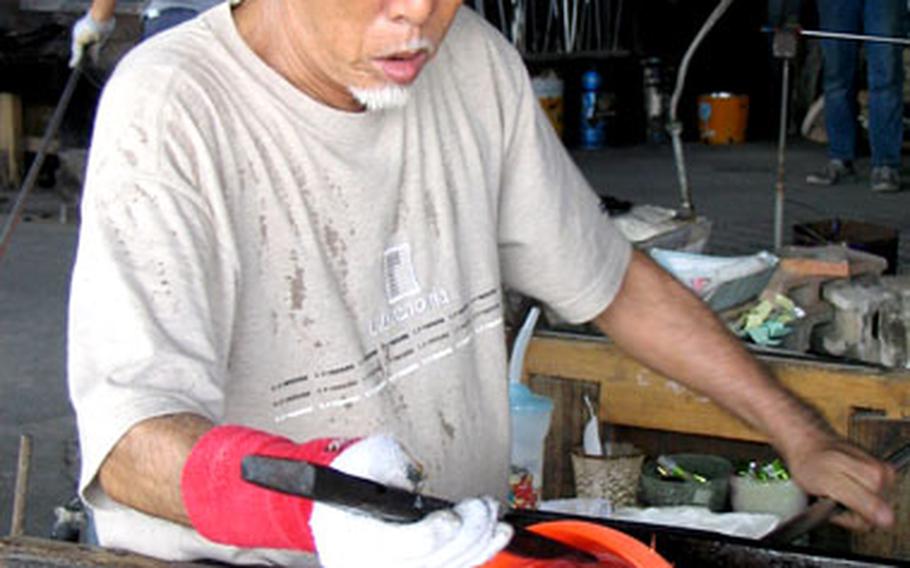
x=256, y=257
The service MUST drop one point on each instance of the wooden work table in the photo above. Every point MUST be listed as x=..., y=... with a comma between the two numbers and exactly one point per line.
x=868, y=404
x=633, y=395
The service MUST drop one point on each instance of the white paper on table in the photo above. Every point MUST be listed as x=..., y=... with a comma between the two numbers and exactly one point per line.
x=600, y=508
x=745, y=525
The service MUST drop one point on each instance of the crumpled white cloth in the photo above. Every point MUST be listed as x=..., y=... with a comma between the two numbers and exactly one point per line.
x=645, y=221
x=467, y=535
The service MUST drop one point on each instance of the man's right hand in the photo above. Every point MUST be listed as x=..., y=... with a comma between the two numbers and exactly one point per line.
x=89, y=33
x=467, y=535
x=828, y=466
x=223, y=508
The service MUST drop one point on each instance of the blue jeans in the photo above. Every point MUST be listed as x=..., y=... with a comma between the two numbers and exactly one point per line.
x=885, y=77
x=167, y=18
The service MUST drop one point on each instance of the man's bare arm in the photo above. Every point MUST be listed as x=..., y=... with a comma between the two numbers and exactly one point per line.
x=143, y=470
x=102, y=10
x=666, y=327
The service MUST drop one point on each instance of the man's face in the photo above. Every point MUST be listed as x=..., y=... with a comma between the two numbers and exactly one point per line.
x=374, y=49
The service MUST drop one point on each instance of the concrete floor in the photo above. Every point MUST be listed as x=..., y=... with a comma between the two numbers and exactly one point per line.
x=732, y=186
x=34, y=278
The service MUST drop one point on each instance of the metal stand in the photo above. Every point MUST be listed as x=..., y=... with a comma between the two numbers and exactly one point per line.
x=784, y=48
x=687, y=209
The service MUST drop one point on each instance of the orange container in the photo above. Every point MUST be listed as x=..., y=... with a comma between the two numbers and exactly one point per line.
x=614, y=547
x=722, y=118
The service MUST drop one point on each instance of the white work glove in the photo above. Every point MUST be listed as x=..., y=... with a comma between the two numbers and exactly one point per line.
x=89, y=33
x=467, y=535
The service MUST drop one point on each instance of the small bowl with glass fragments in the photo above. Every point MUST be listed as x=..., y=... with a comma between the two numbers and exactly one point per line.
x=701, y=480
x=766, y=487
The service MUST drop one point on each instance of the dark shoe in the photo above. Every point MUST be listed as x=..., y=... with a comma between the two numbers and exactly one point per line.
x=832, y=173
x=885, y=179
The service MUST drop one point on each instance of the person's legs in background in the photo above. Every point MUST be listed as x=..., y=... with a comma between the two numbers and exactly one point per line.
x=165, y=19
x=840, y=62
x=886, y=91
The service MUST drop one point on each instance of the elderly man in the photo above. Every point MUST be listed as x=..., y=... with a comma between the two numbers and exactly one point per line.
x=297, y=221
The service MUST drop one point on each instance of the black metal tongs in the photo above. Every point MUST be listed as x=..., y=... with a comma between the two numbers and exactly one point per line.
x=333, y=487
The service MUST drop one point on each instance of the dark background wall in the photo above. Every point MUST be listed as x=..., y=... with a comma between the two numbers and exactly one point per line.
x=735, y=56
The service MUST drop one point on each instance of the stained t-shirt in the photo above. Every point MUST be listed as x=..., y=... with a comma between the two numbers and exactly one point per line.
x=253, y=256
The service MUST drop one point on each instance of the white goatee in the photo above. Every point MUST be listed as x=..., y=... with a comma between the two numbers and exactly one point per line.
x=387, y=97
x=391, y=96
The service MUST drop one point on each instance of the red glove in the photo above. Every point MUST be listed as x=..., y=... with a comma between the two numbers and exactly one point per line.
x=226, y=509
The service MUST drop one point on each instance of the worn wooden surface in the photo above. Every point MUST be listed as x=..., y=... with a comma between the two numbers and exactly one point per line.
x=632, y=395
x=882, y=437
x=39, y=552
x=565, y=432
x=11, y=141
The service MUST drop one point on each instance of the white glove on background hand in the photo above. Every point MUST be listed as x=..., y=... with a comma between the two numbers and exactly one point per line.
x=89, y=32
x=467, y=535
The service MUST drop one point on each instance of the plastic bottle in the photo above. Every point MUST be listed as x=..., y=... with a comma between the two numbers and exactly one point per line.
x=530, y=416
x=549, y=88
x=592, y=130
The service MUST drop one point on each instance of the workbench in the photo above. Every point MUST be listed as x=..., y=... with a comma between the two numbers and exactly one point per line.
x=868, y=404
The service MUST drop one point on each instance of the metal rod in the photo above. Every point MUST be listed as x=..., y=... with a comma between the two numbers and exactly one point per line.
x=573, y=32
x=20, y=497
x=690, y=52
x=617, y=24
x=608, y=24
x=855, y=37
x=675, y=126
x=781, y=149
x=32, y=176
x=552, y=14
x=846, y=36
x=583, y=21
x=598, y=34
x=687, y=209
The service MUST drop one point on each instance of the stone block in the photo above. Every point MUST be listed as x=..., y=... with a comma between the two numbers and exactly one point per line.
x=868, y=322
